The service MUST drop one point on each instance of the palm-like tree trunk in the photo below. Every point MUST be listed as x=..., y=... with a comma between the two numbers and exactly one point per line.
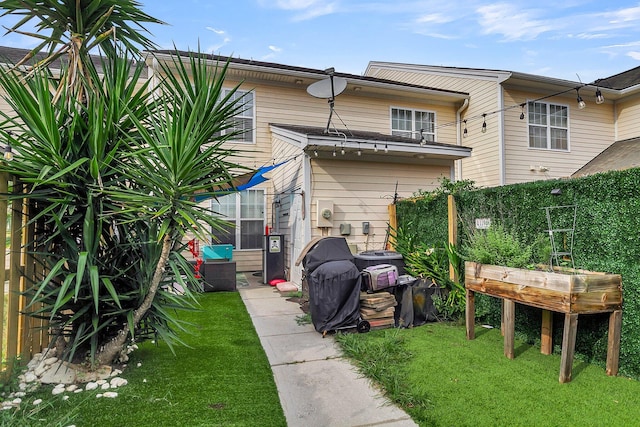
x=112, y=349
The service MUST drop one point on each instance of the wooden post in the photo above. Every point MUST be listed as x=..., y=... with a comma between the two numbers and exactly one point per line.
x=453, y=231
x=393, y=226
x=568, y=346
x=546, y=336
x=470, y=314
x=509, y=327
x=613, y=347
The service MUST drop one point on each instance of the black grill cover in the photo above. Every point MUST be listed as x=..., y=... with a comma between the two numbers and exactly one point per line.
x=327, y=249
x=334, y=295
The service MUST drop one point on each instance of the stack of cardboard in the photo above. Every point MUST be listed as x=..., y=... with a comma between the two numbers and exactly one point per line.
x=378, y=309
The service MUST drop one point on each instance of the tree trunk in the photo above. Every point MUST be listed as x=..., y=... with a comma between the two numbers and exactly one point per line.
x=112, y=349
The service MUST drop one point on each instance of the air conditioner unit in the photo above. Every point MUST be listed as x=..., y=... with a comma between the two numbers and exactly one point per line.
x=324, y=213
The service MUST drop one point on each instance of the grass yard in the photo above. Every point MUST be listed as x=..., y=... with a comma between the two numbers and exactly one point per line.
x=224, y=379
x=441, y=379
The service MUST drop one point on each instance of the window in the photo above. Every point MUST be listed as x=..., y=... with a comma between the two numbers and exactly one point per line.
x=548, y=126
x=243, y=121
x=245, y=208
x=409, y=123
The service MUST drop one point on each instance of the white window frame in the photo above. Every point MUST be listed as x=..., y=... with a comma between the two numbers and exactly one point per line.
x=414, y=133
x=548, y=127
x=237, y=218
x=244, y=114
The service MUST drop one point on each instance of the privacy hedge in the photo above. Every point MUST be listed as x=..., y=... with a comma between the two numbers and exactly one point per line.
x=606, y=240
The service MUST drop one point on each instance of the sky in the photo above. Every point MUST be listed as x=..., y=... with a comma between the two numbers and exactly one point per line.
x=576, y=40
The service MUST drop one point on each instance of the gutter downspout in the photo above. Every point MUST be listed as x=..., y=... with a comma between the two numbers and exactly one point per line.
x=458, y=163
x=501, y=144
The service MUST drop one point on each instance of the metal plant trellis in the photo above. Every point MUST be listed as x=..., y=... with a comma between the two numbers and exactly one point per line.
x=561, y=223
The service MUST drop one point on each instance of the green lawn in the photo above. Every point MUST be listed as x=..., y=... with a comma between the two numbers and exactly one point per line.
x=224, y=379
x=441, y=379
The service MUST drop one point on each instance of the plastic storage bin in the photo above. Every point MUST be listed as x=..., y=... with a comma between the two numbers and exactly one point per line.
x=217, y=253
x=368, y=258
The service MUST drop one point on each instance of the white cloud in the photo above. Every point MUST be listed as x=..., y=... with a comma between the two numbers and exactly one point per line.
x=315, y=12
x=219, y=32
x=275, y=49
x=622, y=16
x=434, y=18
x=634, y=55
x=511, y=23
x=304, y=9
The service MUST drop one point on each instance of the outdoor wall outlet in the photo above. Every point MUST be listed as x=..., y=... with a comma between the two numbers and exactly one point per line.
x=365, y=227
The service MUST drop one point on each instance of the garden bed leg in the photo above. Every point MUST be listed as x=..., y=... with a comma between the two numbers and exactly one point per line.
x=470, y=314
x=613, y=339
x=546, y=338
x=509, y=327
x=568, y=346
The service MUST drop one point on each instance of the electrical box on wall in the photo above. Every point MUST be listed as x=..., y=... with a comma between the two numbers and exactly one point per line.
x=345, y=229
x=324, y=213
x=365, y=227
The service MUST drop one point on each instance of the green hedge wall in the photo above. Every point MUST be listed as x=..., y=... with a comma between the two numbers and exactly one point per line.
x=606, y=240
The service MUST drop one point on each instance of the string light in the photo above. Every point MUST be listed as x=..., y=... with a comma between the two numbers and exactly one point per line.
x=315, y=153
x=581, y=103
x=484, y=123
x=334, y=150
x=522, y=113
x=386, y=149
x=599, y=97
x=375, y=148
x=8, y=152
x=465, y=132
x=342, y=150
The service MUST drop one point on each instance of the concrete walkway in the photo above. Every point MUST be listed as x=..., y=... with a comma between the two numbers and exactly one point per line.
x=316, y=385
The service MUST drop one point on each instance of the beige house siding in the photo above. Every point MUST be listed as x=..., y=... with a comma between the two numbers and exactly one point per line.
x=628, y=118
x=484, y=166
x=591, y=130
x=288, y=186
x=365, y=196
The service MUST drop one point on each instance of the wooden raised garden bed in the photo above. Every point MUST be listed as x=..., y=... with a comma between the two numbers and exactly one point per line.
x=572, y=292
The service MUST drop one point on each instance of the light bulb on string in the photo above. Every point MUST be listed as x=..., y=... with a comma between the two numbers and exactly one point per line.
x=334, y=151
x=375, y=148
x=465, y=132
x=484, y=123
x=581, y=103
x=359, y=150
x=522, y=112
x=386, y=148
x=599, y=96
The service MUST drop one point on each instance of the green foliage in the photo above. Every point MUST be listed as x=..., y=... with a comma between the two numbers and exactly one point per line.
x=433, y=262
x=605, y=240
x=497, y=246
x=110, y=173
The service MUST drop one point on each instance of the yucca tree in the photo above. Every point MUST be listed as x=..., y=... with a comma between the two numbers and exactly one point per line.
x=110, y=173
x=70, y=29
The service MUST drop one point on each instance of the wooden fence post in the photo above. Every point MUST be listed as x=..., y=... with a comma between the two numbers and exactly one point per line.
x=453, y=232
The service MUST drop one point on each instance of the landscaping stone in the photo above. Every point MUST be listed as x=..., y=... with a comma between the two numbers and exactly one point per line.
x=58, y=372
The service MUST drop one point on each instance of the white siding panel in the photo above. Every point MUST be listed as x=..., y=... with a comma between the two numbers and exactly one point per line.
x=590, y=132
x=483, y=166
x=363, y=191
x=628, y=118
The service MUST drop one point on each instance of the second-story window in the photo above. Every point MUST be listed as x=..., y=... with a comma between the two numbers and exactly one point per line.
x=405, y=122
x=548, y=126
x=244, y=120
